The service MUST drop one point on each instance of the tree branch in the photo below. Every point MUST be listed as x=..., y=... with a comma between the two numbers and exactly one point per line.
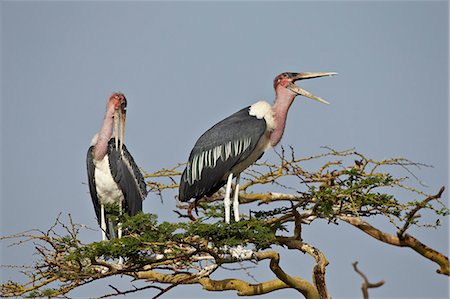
x=406, y=241
x=366, y=284
x=301, y=285
x=318, y=269
x=242, y=287
x=412, y=214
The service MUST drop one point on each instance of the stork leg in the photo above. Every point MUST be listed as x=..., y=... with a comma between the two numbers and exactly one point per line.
x=103, y=222
x=236, y=199
x=119, y=225
x=226, y=200
x=119, y=230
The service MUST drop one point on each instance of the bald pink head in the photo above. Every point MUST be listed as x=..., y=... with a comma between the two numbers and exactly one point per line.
x=115, y=118
x=286, y=91
x=117, y=101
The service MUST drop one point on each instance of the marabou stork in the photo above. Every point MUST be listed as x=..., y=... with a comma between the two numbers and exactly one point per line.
x=238, y=141
x=114, y=178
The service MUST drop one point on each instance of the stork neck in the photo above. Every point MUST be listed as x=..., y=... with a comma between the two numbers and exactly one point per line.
x=283, y=102
x=104, y=135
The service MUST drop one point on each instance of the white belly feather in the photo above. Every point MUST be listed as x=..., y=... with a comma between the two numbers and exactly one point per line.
x=107, y=190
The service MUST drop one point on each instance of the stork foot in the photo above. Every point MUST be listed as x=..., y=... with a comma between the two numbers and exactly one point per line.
x=239, y=253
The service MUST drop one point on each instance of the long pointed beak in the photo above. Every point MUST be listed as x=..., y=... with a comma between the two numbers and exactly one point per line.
x=122, y=120
x=116, y=128
x=120, y=117
x=301, y=76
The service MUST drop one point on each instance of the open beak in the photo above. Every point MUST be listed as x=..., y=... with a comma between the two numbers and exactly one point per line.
x=300, y=76
x=120, y=116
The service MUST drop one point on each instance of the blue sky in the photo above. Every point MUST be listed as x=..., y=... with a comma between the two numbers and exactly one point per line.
x=186, y=65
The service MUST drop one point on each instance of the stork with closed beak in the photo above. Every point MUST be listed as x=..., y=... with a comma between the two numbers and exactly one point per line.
x=114, y=178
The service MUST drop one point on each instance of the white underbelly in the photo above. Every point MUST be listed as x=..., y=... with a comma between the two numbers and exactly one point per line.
x=261, y=147
x=107, y=190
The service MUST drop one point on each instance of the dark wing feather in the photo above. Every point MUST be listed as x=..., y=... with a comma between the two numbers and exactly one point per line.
x=127, y=175
x=239, y=126
x=91, y=180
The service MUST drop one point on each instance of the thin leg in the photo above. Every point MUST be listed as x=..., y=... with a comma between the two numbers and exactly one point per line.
x=226, y=200
x=119, y=225
x=236, y=200
x=119, y=230
x=103, y=222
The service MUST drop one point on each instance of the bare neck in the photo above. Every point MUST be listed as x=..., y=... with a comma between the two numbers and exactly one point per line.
x=104, y=135
x=283, y=101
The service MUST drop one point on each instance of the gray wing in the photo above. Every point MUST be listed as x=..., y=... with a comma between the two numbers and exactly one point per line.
x=225, y=145
x=127, y=175
x=91, y=181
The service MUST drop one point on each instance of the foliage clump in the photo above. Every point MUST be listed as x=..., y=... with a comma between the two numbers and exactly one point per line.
x=354, y=193
x=145, y=238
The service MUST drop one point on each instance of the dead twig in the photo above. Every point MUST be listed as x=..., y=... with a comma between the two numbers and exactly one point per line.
x=366, y=284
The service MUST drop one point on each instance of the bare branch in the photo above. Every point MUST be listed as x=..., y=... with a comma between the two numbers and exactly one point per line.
x=405, y=241
x=134, y=290
x=319, y=268
x=366, y=285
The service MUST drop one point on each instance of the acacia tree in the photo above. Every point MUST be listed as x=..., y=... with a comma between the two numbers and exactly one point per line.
x=346, y=186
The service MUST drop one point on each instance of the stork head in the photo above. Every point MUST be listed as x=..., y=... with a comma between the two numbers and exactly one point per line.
x=287, y=80
x=119, y=102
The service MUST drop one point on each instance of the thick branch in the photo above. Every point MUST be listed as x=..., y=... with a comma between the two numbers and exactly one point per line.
x=301, y=285
x=319, y=268
x=265, y=198
x=242, y=287
x=406, y=241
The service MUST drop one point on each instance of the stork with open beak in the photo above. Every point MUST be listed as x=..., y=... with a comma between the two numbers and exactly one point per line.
x=238, y=141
